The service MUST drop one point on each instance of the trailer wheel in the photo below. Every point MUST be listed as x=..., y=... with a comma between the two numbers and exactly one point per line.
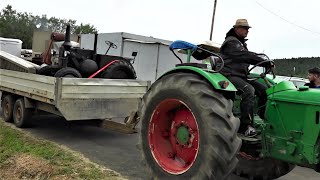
x=188, y=129
x=68, y=72
x=7, y=108
x=253, y=167
x=119, y=70
x=21, y=115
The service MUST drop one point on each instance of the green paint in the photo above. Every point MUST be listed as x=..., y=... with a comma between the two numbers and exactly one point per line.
x=183, y=135
x=213, y=77
x=291, y=130
x=189, y=56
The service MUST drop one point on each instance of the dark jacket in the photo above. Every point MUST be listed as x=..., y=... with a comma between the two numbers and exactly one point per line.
x=236, y=56
x=310, y=84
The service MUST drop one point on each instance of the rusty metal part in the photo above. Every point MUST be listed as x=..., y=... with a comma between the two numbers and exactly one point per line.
x=128, y=127
x=57, y=36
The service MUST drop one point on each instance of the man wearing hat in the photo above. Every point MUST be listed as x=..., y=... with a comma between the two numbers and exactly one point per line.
x=237, y=60
x=314, y=78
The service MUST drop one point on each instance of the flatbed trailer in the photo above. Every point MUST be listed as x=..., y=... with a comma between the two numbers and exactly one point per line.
x=25, y=94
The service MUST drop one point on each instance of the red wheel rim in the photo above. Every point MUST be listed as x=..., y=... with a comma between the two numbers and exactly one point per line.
x=173, y=136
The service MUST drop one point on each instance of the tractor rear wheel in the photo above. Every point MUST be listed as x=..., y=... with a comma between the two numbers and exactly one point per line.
x=188, y=129
x=252, y=166
x=119, y=70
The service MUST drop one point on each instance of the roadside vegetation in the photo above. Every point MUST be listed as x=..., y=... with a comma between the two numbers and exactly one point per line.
x=297, y=67
x=25, y=157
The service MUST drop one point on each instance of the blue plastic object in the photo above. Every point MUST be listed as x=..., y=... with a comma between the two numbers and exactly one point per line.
x=182, y=45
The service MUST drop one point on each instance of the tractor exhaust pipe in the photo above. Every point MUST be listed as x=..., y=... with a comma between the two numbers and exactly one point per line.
x=67, y=43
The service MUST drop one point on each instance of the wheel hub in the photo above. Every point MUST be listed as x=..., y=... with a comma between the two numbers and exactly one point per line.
x=182, y=135
x=18, y=114
x=173, y=136
x=6, y=109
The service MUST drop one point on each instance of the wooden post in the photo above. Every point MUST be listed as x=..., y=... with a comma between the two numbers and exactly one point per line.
x=214, y=12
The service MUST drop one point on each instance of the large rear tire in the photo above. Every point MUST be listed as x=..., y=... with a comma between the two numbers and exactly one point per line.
x=253, y=167
x=7, y=108
x=188, y=129
x=119, y=70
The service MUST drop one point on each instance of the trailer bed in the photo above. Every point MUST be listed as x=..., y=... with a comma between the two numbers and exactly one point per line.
x=76, y=98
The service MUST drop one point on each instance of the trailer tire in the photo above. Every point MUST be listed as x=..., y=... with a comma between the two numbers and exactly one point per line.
x=68, y=72
x=259, y=168
x=21, y=115
x=212, y=141
x=119, y=70
x=7, y=108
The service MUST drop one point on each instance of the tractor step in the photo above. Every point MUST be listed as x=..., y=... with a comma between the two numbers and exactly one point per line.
x=250, y=139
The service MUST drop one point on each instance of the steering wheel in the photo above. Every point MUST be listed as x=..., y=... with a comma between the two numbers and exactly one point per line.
x=216, y=62
x=111, y=44
x=267, y=71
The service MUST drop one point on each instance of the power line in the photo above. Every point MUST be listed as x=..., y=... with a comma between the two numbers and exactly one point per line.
x=301, y=27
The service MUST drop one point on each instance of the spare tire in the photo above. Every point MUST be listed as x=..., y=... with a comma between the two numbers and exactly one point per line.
x=68, y=72
x=119, y=70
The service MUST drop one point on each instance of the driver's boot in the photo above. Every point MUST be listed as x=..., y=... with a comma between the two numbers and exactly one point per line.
x=247, y=131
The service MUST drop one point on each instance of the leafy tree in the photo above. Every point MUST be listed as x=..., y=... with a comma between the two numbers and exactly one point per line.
x=20, y=25
x=16, y=25
x=84, y=29
x=296, y=66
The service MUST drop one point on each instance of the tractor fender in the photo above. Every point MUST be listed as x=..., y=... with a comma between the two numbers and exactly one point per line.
x=211, y=76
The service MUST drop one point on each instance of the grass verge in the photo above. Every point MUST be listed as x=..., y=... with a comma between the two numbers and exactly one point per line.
x=25, y=157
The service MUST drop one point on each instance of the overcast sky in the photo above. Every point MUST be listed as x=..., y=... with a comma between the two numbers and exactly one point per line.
x=281, y=28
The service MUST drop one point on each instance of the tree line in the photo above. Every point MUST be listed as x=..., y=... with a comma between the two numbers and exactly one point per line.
x=20, y=25
x=296, y=66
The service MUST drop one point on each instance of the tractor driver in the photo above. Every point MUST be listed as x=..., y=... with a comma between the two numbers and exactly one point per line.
x=314, y=78
x=237, y=60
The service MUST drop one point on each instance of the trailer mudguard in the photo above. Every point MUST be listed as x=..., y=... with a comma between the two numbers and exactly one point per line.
x=213, y=77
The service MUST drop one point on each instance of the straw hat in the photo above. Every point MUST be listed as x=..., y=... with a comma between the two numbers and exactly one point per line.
x=242, y=22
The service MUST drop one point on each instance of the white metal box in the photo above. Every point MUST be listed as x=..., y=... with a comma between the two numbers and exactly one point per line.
x=11, y=46
x=153, y=59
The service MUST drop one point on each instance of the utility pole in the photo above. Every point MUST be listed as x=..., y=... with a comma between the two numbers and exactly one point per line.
x=214, y=12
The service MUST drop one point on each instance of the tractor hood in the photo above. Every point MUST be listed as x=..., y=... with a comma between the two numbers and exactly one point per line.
x=286, y=91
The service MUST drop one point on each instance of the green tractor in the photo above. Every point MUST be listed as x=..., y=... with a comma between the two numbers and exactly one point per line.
x=189, y=125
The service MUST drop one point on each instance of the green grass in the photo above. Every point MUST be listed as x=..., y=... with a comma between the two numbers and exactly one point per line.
x=14, y=142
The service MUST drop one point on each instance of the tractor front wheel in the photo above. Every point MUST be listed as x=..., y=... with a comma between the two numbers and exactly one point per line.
x=188, y=129
x=68, y=72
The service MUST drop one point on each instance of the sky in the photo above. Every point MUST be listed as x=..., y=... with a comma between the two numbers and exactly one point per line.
x=280, y=29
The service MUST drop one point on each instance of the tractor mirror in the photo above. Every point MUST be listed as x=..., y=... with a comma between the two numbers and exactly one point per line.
x=134, y=54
